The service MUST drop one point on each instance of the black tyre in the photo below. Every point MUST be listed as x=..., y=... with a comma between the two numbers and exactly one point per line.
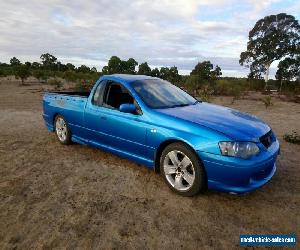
x=182, y=170
x=62, y=130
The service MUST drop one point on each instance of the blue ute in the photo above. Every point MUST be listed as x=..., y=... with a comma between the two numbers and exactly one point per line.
x=194, y=145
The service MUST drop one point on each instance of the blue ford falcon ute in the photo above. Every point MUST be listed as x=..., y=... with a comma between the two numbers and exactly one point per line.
x=194, y=145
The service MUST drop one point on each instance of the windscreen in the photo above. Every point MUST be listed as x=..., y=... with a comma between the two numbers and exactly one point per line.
x=158, y=94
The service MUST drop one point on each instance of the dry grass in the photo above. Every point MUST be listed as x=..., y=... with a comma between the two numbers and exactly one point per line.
x=55, y=196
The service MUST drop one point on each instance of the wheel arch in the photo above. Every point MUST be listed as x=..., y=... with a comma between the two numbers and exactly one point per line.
x=161, y=148
x=54, y=117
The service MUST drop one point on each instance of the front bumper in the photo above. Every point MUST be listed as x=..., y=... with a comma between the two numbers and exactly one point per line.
x=236, y=175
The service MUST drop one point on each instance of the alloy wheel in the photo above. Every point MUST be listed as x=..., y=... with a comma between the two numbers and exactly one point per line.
x=179, y=170
x=61, y=129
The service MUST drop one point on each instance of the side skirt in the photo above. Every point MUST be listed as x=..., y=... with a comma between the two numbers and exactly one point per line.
x=140, y=160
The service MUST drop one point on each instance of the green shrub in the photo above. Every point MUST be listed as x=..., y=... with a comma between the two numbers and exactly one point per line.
x=41, y=75
x=205, y=97
x=230, y=88
x=192, y=84
x=291, y=87
x=2, y=72
x=70, y=76
x=22, y=72
x=235, y=92
x=256, y=84
x=222, y=87
x=294, y=137
x=57, y=83
x=205, y=93
x=85, y=85
x=267, y=101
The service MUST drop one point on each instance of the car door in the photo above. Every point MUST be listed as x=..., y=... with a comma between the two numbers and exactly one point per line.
x=93, y=119
x=121, y=131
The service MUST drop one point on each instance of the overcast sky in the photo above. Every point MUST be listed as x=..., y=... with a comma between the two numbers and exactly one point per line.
x=161, y=32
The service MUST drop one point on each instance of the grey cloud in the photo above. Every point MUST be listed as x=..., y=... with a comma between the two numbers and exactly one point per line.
x=161, y=32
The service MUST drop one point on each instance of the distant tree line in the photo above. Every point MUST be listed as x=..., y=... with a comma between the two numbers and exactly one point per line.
x=49, y=66
x=117, y=66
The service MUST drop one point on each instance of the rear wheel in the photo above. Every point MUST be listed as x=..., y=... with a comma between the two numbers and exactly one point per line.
x=62, y=130
x=182, y=170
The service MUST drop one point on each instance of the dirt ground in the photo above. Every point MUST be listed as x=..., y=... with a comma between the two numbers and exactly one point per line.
x=55, y=196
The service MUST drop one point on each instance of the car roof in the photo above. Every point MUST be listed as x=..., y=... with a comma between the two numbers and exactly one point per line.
x=127, y=78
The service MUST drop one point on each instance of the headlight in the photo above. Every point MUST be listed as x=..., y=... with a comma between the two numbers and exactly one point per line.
x=239, y=149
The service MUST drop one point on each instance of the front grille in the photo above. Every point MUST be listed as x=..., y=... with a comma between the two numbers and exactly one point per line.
x=267, y=139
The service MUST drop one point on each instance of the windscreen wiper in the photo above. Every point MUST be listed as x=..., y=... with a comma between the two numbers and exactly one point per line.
x=180, y=105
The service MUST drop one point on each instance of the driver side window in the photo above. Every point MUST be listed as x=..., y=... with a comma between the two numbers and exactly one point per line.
x=115, y=95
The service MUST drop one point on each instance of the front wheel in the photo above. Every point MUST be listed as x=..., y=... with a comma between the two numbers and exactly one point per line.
x=182, y=170
x=62, y=130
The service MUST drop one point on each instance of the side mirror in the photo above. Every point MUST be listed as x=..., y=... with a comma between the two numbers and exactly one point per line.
x=127, y=108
